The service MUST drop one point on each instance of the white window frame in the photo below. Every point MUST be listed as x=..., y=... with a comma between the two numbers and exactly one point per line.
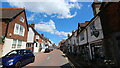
x=14, y=44
x=19, y=33
x=17, y=46
x=22, y=19
x=16, y=29
x=37, y=37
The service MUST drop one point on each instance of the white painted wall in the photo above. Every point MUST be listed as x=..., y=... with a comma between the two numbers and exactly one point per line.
x=68, y=41
x=7, y=47
x=81, y=42
x=36, y=48
x=72, y=40
x=97, y=26
x=43, y=47
x=49, y=44
x=30, y=35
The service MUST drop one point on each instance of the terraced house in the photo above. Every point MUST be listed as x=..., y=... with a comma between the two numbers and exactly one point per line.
x=35, y=41
x=99, y=39
x=14, y=29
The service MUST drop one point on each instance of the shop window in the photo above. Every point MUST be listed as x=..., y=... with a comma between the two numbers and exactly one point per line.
x=97, y=52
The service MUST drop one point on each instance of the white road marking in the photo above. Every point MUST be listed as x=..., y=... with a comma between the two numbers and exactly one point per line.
x=48, y=58
x=63, y=54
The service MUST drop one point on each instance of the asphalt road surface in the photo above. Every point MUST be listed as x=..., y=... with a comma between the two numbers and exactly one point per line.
x=53, y=59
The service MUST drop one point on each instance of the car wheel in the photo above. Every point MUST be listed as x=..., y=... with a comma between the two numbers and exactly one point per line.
x=33, y=59
x=18, y=64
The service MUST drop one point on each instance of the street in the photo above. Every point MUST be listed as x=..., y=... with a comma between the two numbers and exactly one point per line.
x=54, y=59
x=72, y=33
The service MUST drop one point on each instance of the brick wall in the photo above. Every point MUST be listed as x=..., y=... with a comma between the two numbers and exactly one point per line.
x=12, y=25
x=1, y=48
x=110, y=18
x=3, y=26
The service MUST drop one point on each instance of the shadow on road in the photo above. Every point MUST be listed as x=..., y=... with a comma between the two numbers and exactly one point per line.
x=64, y=55
x=66, y=66
x=63, y=66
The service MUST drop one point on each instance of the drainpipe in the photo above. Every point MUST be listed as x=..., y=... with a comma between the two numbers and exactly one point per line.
x=6, y=29
x=88, y=43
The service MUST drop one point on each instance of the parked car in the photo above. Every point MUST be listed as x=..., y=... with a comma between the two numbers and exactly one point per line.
x=47, y=50
x=51, y=49
x=18, y=58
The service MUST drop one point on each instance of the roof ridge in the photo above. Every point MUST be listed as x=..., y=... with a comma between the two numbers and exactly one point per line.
x=10, y=8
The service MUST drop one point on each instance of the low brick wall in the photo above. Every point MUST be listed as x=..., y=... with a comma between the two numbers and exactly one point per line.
x=1, y=49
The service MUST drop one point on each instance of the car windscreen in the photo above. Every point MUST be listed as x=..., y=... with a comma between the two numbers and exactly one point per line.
x=14, y=53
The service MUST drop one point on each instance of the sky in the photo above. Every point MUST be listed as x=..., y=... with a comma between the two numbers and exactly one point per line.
x=54, y=18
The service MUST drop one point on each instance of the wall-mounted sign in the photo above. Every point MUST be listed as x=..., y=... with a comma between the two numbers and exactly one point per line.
x=93, y=30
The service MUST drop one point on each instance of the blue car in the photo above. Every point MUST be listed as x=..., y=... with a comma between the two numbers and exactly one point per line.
x=18, y=58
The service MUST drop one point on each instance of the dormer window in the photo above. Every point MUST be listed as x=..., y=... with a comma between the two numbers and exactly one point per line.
x=21, y=19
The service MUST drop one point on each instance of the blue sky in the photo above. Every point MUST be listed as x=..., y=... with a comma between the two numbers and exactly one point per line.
x=55, y=19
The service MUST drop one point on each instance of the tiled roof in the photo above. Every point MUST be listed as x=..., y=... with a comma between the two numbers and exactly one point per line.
x=41, y=41
x=8, y=13
x=83, y=24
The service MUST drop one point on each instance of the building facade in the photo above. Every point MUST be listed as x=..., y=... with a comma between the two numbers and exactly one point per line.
x=98, y=40
x=14, y=29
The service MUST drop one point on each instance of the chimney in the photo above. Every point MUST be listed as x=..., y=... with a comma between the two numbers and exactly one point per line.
x=33, y=25
x=42, y=35
x=73, y=32
x=96, y=6
x=68, y=35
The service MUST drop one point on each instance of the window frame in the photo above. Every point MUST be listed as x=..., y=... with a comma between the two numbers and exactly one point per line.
x=17, y=45
x=19, y=29
x=82, y=36
x=22, y=19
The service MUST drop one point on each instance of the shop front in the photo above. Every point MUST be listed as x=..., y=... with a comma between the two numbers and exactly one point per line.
x=97, y=52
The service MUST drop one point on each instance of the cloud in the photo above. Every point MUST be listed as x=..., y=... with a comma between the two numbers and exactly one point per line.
x=73, y=0
x=69, y=16
x=50, y=27
x=58, y=7
x=89, y=6
x=45, y=15
x=31, y=18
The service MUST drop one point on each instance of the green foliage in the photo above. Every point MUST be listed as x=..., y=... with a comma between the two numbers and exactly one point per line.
x=2, y=39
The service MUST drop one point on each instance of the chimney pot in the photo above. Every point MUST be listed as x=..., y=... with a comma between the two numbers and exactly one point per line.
x=33, y=25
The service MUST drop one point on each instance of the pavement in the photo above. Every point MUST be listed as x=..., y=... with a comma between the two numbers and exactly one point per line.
x=54, y=59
